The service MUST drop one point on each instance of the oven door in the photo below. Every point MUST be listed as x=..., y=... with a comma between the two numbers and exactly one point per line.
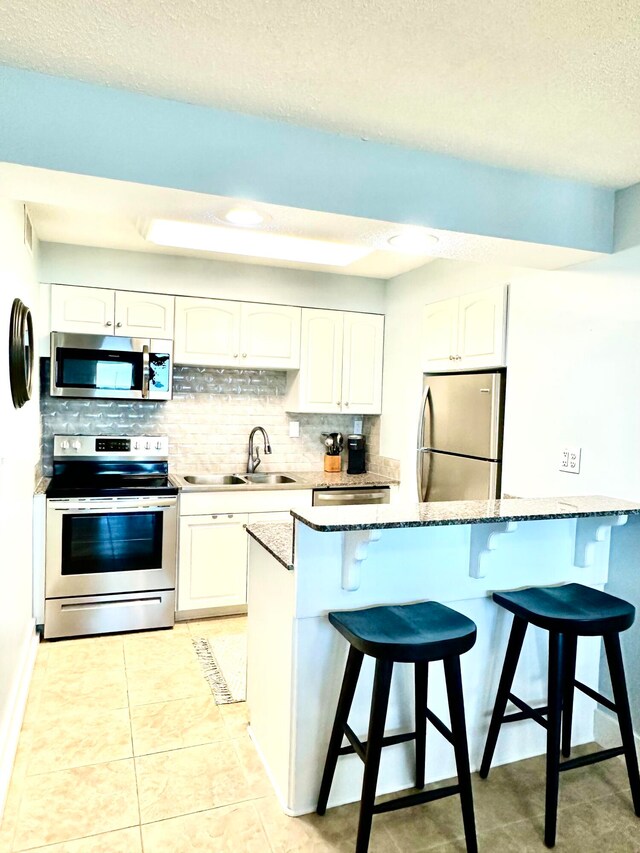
x=110, y=545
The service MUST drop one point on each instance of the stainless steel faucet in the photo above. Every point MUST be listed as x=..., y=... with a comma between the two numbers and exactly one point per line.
x=254, y=455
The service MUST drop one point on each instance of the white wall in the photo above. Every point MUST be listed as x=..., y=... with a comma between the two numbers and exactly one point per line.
x=82, y=265
x=20, y=432
x=402, y=384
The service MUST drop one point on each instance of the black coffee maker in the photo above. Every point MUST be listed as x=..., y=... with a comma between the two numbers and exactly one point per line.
x=356, y=446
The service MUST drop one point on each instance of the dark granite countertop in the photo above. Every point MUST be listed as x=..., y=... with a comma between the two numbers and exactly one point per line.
x=276, y=537
x=460, y=512
x=303, y=480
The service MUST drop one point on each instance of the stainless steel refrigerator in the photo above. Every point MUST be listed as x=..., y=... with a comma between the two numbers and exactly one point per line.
x=460, y=436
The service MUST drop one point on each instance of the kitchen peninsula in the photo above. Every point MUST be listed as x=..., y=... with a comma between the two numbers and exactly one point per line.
x=455, y=552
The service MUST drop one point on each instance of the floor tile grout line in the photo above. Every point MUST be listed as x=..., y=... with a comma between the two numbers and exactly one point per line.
x=39, y=847
x=243, y=802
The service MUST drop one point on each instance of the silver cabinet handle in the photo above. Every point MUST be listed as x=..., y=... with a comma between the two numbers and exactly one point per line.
x=451, y=357
x=235, y=355
x=108, y=323
x=118, y=325
x=244, y=355
x=346, y=404
x=339, y=403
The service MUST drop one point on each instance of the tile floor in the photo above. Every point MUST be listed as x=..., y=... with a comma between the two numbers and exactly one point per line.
x=123, y=750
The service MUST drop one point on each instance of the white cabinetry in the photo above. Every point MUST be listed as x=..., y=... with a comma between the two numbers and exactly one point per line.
x=96, y=311
x=466, y=332
x=340, y=363
x=213, y=561
x=236, y=334
x=212, y=552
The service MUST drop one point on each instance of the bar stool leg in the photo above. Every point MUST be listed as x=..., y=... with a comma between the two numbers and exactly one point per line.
x=421, y=675
x=379, y=703
x=621, y=699
x=514, y=646
x=349, y=682
x=461, y=749
x=554, y=717
x=568, y=679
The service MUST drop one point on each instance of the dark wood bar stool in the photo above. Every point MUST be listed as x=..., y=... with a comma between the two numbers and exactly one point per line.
x=566, y=612
x=413, y=633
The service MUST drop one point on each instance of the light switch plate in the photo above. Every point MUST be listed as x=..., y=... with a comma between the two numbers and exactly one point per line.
x=357, y=426
x=570, y=460
x=294, y=429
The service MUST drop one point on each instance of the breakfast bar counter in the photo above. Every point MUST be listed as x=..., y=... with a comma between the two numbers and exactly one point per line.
x=457, y=553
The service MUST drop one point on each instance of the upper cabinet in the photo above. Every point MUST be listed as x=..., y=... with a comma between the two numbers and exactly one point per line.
x=466, y=332
x=340, y=364
x=236, y=334
x=96, y=311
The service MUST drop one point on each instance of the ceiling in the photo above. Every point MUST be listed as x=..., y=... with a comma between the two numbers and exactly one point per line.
x=551, y=87
x=88, y=211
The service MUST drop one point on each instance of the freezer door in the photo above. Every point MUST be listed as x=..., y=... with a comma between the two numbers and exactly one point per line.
x=455, y=478
x=463, y=414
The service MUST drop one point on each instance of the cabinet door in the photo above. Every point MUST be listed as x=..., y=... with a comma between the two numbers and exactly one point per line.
x=270, y=336
x=144, y=315
x=318, y=385
x=85, y=310
x=207, y=332
x=212, y=566
x=362, y=350
x=440, y=335
x=481, y=328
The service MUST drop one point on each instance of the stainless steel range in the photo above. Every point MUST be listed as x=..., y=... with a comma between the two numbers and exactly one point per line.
x=111, y=536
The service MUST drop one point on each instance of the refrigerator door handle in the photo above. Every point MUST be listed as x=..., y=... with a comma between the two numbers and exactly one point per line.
x=421, y=447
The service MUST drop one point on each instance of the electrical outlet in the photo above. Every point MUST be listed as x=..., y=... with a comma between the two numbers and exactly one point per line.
x=294, y=429
x=570, y=460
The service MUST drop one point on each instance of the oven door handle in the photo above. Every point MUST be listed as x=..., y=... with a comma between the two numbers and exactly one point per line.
x=146, y=371
x=100, y=506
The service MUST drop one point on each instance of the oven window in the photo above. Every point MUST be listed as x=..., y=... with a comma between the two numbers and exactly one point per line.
x=113, y=542
x=106, y=370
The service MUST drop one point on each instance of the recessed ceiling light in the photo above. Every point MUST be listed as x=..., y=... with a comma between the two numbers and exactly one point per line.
x=244, y=216
x=413, y=242
x=259, y=244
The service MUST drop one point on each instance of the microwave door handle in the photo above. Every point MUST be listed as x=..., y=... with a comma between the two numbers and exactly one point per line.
x=145, y=371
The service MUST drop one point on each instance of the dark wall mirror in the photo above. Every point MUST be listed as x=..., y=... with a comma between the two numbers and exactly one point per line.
x=20, y=353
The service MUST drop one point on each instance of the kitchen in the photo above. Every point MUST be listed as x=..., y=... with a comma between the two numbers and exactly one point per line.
x=570, y=331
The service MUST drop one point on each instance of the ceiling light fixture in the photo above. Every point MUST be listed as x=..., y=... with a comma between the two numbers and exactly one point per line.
x=244, y=216
x=258, y=244
x=413, y=242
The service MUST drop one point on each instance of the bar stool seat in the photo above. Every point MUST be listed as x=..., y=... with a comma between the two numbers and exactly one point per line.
x=407, y=633
x=413, y=633
x=566, y=612
x=580, y=609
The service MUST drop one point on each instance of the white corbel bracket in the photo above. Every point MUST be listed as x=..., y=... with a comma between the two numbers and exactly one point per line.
x=355, y=545
x=484, y=538
x=590, y=530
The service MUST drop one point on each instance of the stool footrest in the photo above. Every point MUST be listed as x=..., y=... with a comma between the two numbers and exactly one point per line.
x=416, y=799
x=360, y=748
x=439, y=725
x=593, y=694
x=527, y=712
x=592, y=758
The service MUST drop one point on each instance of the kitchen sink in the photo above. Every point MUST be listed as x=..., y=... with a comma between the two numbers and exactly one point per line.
x=216, y=480
x=269, y=478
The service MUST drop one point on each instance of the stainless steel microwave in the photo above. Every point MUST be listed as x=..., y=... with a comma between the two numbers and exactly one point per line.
x=107, y=366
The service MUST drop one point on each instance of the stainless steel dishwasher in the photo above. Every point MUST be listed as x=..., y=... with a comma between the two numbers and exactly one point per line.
x=350, y=496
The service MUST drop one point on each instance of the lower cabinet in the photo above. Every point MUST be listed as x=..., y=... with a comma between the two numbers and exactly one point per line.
x=212, y=561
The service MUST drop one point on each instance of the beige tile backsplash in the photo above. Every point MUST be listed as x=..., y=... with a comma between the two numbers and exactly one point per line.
x=208, y=422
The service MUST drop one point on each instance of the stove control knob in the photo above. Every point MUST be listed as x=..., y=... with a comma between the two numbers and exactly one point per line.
x=75, y=445
x=158, y=445
x=147, y=445
x=136, y=445
x=64, y=445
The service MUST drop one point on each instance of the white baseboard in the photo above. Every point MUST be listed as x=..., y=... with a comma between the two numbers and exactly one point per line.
x=607, y=733
x=16, y=704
